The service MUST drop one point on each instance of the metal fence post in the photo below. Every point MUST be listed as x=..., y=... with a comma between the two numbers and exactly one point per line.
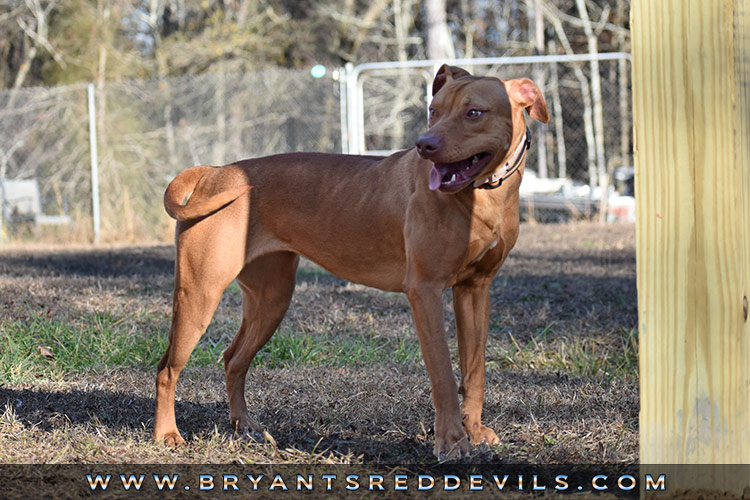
x=94, y=164
x=344, y=105
x=351, y=96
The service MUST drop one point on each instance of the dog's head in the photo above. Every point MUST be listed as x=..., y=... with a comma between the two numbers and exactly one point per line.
x=473, y=123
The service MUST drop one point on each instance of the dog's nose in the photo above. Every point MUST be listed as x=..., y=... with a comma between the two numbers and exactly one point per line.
x=428, y=145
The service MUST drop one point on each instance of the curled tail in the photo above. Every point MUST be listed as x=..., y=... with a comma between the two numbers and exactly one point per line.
x=197, y=206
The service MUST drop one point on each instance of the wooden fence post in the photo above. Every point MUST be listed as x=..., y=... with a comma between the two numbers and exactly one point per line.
x=691, y=113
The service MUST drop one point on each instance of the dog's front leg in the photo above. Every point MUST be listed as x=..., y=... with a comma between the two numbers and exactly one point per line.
x=427, y=308
x=472, y=305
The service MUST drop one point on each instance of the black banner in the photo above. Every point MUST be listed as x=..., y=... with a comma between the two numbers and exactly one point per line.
x=359, y=481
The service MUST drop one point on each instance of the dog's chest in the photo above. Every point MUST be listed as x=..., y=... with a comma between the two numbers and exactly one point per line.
x=483, y=251
x=479, y=248
x=488, y=247
x=482, y=258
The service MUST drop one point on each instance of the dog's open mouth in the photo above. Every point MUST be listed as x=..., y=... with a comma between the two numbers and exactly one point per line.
x=452, y=177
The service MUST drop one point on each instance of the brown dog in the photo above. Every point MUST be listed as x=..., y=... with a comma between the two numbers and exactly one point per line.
x=418, y=221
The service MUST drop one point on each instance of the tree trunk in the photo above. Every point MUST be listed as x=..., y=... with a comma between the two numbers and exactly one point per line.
x=467, y=12
x=33, y=39
x=557, y=116
x=399, y=22
x=588, y=121
x=623, y=77
x=538, y=74
x=162, y=72
x=103, y=13
x=219, y=149
x=596, y=94
x=439, y=45
x=23, y=70
x=373, y=12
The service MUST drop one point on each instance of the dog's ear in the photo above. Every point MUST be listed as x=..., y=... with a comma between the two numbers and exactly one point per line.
x=526, y=94
x=445, y=74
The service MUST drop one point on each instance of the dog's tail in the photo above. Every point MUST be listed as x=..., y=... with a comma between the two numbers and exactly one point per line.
x=183, y=186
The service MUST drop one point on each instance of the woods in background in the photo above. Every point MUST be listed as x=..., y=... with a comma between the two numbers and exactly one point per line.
x=51, y=42
x=176, y=83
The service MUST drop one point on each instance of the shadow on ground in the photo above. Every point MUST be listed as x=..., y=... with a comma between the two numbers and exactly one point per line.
x=573, y=281
x=381, y=413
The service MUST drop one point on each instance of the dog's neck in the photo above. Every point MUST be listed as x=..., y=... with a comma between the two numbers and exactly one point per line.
x=501, y=173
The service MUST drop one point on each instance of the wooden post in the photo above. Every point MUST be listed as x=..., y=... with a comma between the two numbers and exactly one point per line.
x=691, y=111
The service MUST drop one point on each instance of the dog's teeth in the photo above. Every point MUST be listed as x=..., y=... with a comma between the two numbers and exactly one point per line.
x=453, y=178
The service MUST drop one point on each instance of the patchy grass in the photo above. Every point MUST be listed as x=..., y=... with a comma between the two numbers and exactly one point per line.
x=611, y=357
x=44, y=348
x=51, y=348
x=342, y=381
x=287, y=348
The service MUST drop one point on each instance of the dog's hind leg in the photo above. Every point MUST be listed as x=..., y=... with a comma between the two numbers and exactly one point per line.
x=202, y=272
x=267, y=285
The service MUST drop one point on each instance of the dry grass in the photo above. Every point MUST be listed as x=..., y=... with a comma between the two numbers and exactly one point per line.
x=562, y=358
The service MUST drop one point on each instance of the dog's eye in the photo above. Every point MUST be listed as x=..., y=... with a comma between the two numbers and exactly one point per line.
x=474, y=113
x=432, y=112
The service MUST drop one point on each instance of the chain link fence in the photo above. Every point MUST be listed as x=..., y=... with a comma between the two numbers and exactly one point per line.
x=153, y=130
x=44, y=140
x=148, y=131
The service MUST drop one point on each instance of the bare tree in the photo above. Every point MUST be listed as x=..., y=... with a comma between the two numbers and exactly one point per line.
x=353, y=27
x=557, y=116
x=554, y=18
x=596, y=94
x=467, y=15
x=400, y=22
x=439, y=44
x=33, y=23
x=536, y=38
x=623, y=76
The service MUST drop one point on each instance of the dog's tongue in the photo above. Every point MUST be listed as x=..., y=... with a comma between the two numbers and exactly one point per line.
x=435, y=178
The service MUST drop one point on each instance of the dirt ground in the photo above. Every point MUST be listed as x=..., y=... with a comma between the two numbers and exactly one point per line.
x=561, y=371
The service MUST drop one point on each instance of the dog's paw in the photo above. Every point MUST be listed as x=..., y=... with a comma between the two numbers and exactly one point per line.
x=172, y=439
x=479, y=434
x=243, y=424
x=451, y=444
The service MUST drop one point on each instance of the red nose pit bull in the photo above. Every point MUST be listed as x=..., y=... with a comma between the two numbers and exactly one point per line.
x=443, y=214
